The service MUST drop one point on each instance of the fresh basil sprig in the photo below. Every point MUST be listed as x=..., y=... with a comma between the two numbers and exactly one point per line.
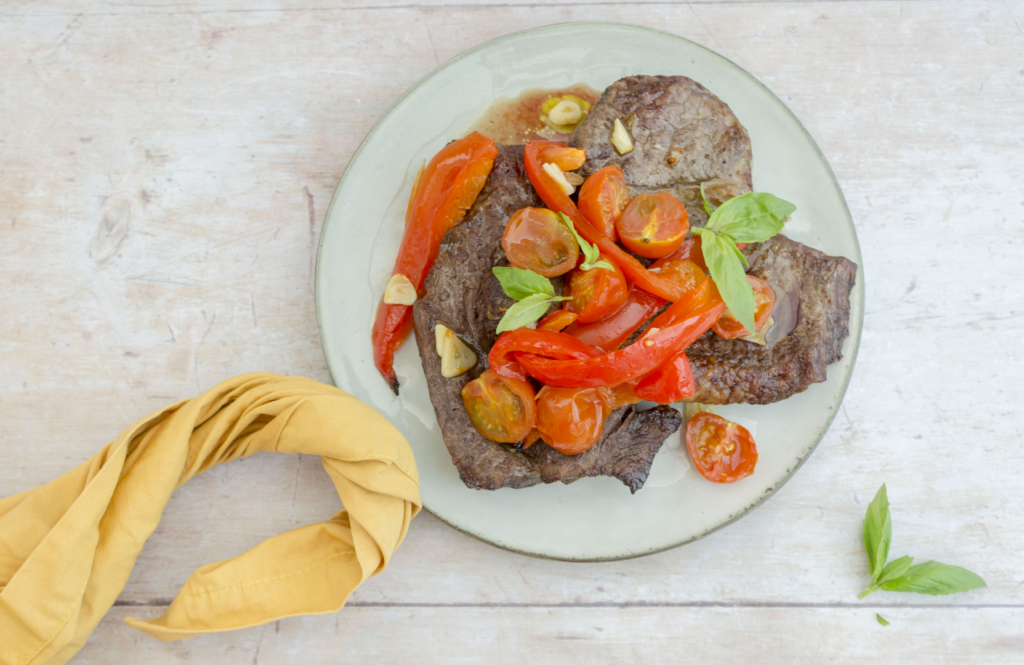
x=533, y=292
x=931, y=577
x=752, y=217
x=591, y=254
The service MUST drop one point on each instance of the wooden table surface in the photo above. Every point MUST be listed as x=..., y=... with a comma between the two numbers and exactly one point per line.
x=164, y=172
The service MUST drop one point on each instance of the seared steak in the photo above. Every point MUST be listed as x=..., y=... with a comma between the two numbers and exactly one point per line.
x=683, y=135
x=463, y=294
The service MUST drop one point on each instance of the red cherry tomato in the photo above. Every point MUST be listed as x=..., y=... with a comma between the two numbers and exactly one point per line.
x=687, y=274
x=729, y=327
x=721, y=450
x=596, y=293
x=672, y=382
x=536, y=240
x=653, y=225
x=502, y=409
x=558, y=320
x=571, y=420
x=603, y=197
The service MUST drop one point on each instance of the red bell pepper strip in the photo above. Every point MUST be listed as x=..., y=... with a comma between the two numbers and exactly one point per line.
x=651, y=351
x=444, y=192
x=609, y=334
x=556, y=199
x=672, y=382
x=551, y=344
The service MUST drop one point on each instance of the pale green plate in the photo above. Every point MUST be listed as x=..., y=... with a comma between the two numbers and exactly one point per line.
x=594, y=518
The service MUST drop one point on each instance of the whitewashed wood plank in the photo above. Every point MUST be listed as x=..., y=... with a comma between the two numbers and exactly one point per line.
x=214, y=135
x=587, y=635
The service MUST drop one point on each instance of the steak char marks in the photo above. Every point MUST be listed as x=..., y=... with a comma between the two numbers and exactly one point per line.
x=684, y=136
x=463, y=294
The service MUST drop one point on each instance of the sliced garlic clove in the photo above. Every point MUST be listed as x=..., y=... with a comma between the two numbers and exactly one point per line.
x=565, y=112
x=441, y=333
x=573, y=178
x=620, y=138
x=456, y=357
x=559, y=177
x=399, y=291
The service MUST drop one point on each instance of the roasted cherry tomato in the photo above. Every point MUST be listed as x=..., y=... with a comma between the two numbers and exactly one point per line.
x=596, y=293
x=721, y=450
x=502, y=409
x=690, y=250
x=687, y=274
x=729, y=327
x=557, y=320
x=653, y=225
x=620, y=395
x=603, y=197
x=672, y=382
x=535, y=239
x=570, y=419
x=561, y=155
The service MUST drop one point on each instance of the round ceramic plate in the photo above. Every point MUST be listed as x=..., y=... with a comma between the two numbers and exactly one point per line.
x=594, y=518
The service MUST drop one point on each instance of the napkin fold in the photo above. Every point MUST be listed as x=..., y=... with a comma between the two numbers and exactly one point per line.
x=67, y=548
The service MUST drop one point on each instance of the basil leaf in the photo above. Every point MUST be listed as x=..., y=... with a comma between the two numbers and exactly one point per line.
x=518, y=283
x=704, y=200
x=751, y=217
x=877, y=532
x=526, y=311
x=591, y=253
x=935, y=579
x=727, y=272
x=894, y=569
x=881, y=619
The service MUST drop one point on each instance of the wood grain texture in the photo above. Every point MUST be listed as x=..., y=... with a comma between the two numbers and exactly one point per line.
x=164, y=171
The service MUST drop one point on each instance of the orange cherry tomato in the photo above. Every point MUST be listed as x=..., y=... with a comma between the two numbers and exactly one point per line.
x=571, y=419
x=603, y=197
x=653, y=225
x=721, y=450
x=729, y=327
x=690, y=250
x=502, y=409
x=623, y=394
x=683, y=272
x=596, y=293
x=536, y=240
x=558, y=320
x=561, y=155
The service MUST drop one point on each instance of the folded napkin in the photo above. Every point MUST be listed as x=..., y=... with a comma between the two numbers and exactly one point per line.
x=67, y=548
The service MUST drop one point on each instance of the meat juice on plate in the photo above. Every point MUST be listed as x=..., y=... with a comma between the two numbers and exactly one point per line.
x=519, y=120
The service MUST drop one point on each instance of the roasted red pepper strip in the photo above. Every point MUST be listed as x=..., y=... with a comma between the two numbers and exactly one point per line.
x=548, y=343
x=559, y=201
x=609, y=334
x=443, y=194
x=672, y=382
x=651, y=351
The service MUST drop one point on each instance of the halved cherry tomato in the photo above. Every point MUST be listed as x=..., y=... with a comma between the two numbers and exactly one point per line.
x=502, y=409
x=602, y=199
x=690, y=250
x=729, y=327
x=721, y=450
x=570, y=419
x=596, y=293
x=653, y=225
x=620, y=395
x=609, y=333
x=684, y=272
x=561, y=155
x=535, y=239
x=557, y=320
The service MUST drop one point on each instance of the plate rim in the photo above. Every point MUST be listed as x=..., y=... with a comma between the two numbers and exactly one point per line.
x=859, y=288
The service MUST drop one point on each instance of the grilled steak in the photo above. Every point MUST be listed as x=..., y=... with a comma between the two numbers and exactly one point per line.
x=463, y=294
x=683, y=135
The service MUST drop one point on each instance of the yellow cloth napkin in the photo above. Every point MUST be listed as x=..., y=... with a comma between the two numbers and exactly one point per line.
x=67, y=548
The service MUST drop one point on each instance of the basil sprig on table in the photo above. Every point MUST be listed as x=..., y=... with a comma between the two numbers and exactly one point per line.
x=752, y=217
x=591, y=254
x=533, y=292
x=931, y=577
